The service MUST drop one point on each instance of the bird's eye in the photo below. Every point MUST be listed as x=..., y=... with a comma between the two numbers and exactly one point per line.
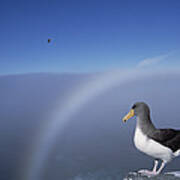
x=134, y=106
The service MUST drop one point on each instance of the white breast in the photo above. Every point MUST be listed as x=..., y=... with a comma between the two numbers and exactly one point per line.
x=151, y=147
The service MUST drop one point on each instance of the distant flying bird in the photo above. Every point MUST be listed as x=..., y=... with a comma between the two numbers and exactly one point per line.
x=161, y=144
x=49, y=40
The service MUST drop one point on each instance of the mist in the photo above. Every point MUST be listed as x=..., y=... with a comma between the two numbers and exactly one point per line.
x=95, y=142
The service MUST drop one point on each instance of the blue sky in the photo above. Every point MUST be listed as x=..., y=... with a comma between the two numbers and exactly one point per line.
x=87, y=35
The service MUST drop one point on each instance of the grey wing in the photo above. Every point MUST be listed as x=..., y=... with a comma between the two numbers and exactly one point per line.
x=167, y=137
x=174, y=143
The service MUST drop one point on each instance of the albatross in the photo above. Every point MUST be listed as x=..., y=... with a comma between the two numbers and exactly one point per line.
x=161, y=144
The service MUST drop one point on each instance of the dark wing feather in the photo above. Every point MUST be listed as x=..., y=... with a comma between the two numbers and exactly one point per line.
x=167, y=137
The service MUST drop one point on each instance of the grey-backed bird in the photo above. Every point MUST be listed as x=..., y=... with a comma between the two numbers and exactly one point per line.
x=161, y=144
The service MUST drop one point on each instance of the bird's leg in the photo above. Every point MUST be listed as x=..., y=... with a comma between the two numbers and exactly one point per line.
x=155, y=165
x=161, y=167
x=154, y=172
x=150, y=173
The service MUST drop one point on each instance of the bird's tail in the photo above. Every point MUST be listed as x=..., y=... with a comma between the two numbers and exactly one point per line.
x=177, y=153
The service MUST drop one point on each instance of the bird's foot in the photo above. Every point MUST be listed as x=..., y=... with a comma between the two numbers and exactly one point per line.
x=148, y=173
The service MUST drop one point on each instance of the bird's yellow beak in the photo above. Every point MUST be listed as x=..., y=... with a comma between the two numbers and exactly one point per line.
x=129, y=115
